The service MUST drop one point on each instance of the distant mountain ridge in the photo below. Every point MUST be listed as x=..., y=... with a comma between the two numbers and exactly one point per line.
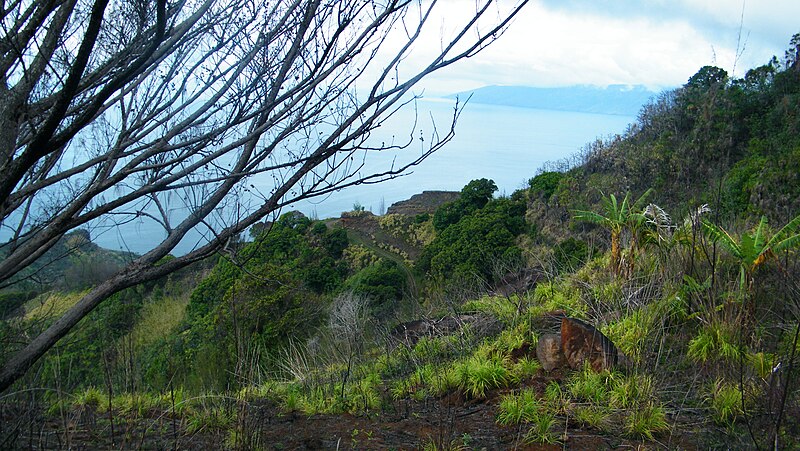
x=615, y=99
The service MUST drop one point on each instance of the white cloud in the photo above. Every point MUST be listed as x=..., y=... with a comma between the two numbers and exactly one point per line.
x=655, y=43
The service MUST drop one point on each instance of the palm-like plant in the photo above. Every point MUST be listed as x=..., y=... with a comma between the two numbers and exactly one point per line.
x=616, y=218
x=753, y=250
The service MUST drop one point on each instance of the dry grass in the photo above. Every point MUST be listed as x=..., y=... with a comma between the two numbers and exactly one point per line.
x=158, y=319
x=51, y=305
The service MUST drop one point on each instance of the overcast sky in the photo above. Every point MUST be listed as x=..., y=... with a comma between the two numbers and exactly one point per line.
x=657, y=43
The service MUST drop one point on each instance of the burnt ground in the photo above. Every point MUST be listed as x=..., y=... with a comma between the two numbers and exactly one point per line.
x=452, y=422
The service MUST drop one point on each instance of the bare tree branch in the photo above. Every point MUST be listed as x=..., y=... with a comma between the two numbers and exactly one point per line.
x=119, y=110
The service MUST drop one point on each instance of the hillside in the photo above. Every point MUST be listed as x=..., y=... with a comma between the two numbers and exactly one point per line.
x=646, y=297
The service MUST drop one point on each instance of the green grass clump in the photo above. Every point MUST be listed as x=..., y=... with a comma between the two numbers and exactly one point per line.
x=91, y=397
x=726, y=403
x=542, y=429
x=158, y=319
x=761, y=363
x=502, y=308
x=424, y=381
x=364, y=395
x=715, y=341
x=631, y=390
x=51, y=305
x=209, y=419
x=556, y=398
x=177, y=399
x=629, y=333
x=478, y=374
x=592, y=387
x=646, y=420
x=136, y=404
x=612, y=402
x=608, y=293
x=525, y=368
x=428, y=348
x=444, y=381
x=551, y=296
x=518, y=408
x=513, y=338
x=595, y=416
x=292, y=399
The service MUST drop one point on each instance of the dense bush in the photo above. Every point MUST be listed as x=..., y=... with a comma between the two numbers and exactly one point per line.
x=475, y=195
x=545, y=184
x=476, y=242
x=383, y=283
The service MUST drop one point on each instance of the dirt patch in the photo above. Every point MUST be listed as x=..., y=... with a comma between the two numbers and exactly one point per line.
x=408, y=425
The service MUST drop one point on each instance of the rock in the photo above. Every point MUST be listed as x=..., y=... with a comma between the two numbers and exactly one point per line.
x=410, y=332
x=549, y=353
x=425, y=202
x=581, y=343
x=517, y=282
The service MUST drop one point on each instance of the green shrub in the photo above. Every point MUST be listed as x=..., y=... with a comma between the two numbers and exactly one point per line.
x=383, y=283
x=545, y=184
x=570, y=254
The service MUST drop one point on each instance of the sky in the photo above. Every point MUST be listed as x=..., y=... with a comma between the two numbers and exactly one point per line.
x=656, y=43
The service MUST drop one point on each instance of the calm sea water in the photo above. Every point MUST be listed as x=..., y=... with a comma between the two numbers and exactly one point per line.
x=505, y=144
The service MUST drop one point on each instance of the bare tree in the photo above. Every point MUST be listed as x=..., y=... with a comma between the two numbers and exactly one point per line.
x=122, y=110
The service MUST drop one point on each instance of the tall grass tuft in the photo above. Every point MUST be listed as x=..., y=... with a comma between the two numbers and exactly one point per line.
x=518, y=408
x=478, y=374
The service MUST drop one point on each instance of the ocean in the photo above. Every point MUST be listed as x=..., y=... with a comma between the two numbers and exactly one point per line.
x=505, y=144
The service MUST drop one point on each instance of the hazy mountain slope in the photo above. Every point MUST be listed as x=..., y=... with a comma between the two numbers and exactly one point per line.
x=614, y=99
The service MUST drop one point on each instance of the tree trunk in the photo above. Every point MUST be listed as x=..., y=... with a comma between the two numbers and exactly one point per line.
x=616, y=258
